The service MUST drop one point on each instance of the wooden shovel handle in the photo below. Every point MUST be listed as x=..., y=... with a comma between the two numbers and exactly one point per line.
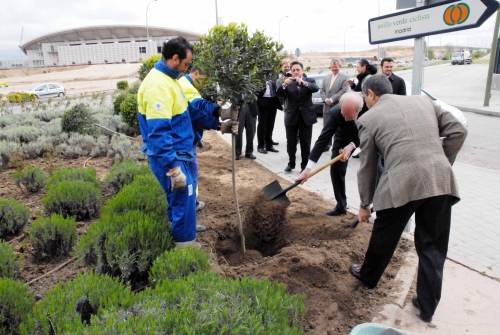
x=324, y=166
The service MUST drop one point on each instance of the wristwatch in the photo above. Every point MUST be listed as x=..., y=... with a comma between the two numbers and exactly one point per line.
x=362, y=205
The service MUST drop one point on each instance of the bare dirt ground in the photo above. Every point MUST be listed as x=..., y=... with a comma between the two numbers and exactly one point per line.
x=303, y=248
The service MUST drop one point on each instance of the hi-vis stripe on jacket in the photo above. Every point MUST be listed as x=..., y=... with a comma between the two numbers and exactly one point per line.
x=164, y=117
x=204, y=113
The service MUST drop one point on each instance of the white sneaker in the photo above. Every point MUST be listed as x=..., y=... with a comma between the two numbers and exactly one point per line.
x=193, y=243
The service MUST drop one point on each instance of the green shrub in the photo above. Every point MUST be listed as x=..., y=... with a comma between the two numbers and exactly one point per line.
x=308, y=68
x=125, y=245
x=118, y=101
x=69, y=173
x=123, y=173
x=144, y=194
x=27, y=97
x=207, y=303
x=121, y=148
x=13, y=216
x=122, y=85
x=32, y=179
x=15, y=98
x=9, y=264
x=147, y=65
x=76, y=198
x=53, y=237
x=178, y=263
x=15, y=305
x=71, y=305
x=447, y=55
x=134, y=89
x=128, y=110
x=78, y=119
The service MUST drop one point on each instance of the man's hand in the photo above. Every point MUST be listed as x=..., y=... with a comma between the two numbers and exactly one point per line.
x=304, y=176
x=346, y=152
x=177, y=179
x=364, y=214
x=328, y=102
x=229, y=127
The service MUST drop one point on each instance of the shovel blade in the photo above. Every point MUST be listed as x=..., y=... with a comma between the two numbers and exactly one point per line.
x=271, y=191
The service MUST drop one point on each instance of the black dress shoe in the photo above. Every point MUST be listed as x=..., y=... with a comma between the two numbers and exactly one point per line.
x=275, y=143
x=355, y=271
x=250, y=156
x=423, y=317
x=335, y=212
x=236, y=156
x=262, y=150
x=271, y=149
x=289, y=168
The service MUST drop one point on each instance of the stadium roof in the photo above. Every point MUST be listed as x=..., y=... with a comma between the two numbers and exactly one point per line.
x=97, y=33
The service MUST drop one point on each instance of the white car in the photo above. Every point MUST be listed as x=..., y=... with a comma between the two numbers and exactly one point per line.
x=400, y=64
x=453, y=110
x=48, y=90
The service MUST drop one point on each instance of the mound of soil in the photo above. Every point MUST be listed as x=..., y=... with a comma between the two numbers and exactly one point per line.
x=298, y=245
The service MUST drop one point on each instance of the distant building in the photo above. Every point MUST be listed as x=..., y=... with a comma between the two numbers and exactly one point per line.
x=97, y=45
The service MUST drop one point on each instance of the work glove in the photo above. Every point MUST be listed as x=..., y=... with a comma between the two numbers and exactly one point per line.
x=225, y=114
x=229, y=127
x=177, y=179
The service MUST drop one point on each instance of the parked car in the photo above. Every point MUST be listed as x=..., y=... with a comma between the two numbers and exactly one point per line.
x=400, y=64
x=316, y=97
x=453, y=110
x=47, y=90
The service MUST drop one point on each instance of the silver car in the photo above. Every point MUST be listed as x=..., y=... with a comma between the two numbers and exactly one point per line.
x=48, y=90
x=453, y=110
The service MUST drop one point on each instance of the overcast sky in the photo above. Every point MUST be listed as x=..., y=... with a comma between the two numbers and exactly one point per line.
x=314, y=25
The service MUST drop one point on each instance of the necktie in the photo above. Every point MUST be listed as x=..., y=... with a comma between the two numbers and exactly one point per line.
x=332, y=81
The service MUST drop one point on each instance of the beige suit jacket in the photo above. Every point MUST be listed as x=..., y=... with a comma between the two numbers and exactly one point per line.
x=339, y=87
x=406, y=130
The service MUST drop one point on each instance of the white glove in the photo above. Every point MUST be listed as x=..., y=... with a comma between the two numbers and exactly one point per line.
x=229, y=127
x=177, y=179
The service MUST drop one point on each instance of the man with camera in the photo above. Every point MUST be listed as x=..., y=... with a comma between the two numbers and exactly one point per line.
x=297, y=91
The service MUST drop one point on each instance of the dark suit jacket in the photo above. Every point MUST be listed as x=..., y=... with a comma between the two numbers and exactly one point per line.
x=275, y=101
x=398, y=84
x=299, y=102
x=344, y=131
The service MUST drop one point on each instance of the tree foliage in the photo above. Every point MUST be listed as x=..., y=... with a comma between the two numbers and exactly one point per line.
x=237, y=63
x=147, y=65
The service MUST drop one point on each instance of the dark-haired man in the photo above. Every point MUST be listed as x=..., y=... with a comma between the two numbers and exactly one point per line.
x=299, y=113
x=397, y=83
x=418, y=179
x=166, y=129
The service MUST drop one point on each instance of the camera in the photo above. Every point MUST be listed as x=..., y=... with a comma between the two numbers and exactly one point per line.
x=288, y=74
x=293, y=79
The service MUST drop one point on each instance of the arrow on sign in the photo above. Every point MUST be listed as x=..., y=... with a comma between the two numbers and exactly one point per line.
x=443, y=17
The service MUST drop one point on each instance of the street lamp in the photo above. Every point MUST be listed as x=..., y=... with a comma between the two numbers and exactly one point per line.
x=345, y=31
x=147, y=27
x=279, y=29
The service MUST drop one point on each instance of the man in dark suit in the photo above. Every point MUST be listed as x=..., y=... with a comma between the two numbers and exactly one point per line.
x=247, y=122
x=345, y=141
x=397, y=83
x=418, y=179
x=299, y=113
x=268, y=102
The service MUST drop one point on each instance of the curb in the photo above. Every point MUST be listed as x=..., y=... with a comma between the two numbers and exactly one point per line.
x=478, y=111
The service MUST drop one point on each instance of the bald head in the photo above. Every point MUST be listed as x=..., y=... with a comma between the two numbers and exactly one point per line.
x=351, y=104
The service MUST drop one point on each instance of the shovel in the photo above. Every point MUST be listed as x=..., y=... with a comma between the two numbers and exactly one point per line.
x=274, y=192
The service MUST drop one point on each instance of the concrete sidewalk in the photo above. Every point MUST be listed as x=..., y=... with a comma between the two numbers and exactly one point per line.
x=470, y=302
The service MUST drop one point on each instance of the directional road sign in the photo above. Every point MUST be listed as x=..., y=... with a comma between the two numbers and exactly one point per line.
x=443, y=17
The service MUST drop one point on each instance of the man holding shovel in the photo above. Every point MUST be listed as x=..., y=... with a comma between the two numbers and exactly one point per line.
x=418, y=179
x=341, y=125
